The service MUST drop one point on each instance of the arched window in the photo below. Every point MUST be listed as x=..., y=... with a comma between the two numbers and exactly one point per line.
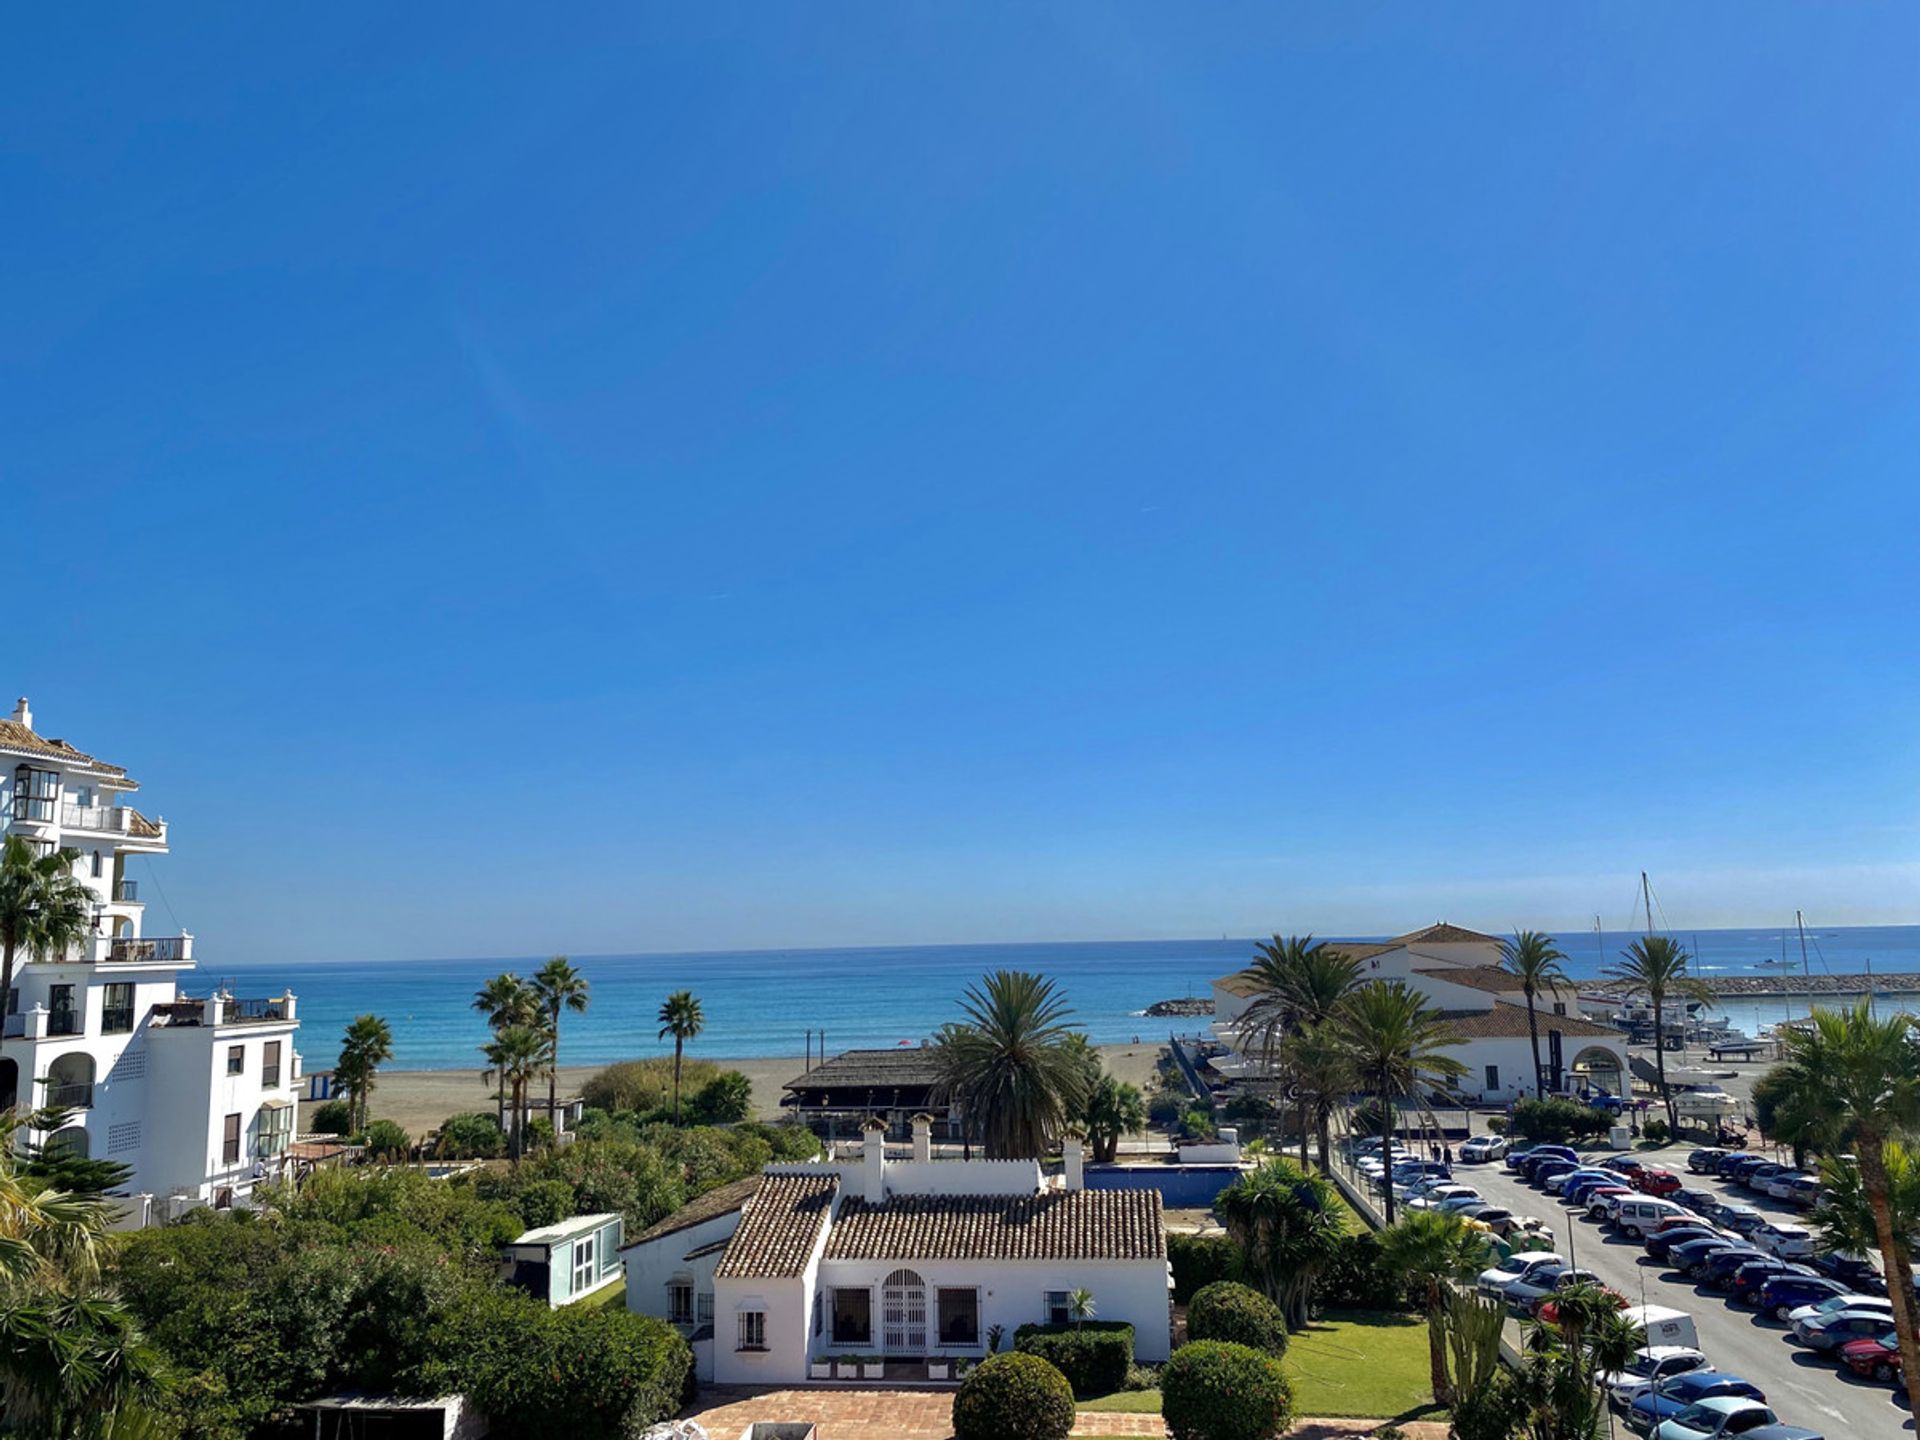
x=70, y=1080
x=71, y=1141
x=903, y=1313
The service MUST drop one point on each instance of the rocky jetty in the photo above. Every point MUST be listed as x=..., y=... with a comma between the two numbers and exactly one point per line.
x=1192, y=1005
x=1787, y=985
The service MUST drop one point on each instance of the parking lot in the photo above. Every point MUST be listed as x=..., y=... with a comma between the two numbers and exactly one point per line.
x=1803, y=1388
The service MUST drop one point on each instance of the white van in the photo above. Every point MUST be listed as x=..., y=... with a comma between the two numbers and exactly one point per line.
x=1636, y=1215
x=1664, y=1326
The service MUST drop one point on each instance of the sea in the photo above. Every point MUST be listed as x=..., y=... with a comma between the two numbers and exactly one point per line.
x=768, y=1003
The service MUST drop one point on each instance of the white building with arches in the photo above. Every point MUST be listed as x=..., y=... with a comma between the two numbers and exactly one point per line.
x=195, y=1094
x=913, y=1259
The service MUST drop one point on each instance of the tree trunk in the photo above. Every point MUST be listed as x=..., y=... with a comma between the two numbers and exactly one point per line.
x=1533, y=1034
x=1906, y=1324
x=1660, y=1060
x=1322, y=1119
x=553, y=1075
x=677, y=1044
x=6, y=989
x=1386, y=1151
x=1437, y=1344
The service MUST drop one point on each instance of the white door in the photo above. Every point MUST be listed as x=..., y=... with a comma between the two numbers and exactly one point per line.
x=903, y=1314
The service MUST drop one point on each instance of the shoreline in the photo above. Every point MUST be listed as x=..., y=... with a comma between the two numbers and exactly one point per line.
x=420, y=1100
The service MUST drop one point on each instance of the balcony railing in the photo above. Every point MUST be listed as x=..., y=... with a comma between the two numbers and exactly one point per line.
x=111, y=820
x=127, y=891
x=65, y=1022
x=116, y=1020
x=159, y=950
x=75, y=1096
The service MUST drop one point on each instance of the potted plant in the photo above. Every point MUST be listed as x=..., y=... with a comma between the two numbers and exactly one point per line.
x=846, y=1367
x=939, y=1367
x=820, y=1367
x=873, y=1367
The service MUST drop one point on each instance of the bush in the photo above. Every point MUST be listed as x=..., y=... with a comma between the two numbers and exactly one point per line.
x=1197, y=1124
x=1225, y=1310
x=1094, y=1355
x=470, y=1137
x=1359, y=1277
x=331, y=1117
x=1655, y=1132
x=1557, y=1120
x=387, y=1141
x=1013, y=1397
x=1214, y=1390
x=723, y=1100
x=1497, y=1125
x=1167, y=1106
x=1199, y=1260
x=544, y=1202
x=644, y=1085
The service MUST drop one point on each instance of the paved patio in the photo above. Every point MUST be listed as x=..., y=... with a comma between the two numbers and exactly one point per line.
x=862, y=1413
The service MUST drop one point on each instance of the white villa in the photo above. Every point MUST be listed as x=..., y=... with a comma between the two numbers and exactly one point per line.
x=196, y=1095
x=1459, y=970
x=912, y=1259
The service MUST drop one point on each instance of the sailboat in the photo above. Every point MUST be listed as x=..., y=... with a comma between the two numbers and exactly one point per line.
x=1772, y=964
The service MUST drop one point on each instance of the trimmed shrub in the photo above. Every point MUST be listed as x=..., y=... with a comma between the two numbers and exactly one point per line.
x=1013, y=1397
x=1655, y=1132
x=723, y=1100
x=475, y=1136
x=1359, y=1277
x=387, y=1141
x=1094, y=1355
x=1199, y=1260
x=1216, y=1390
x=1557, y=1120
x=331, y=1117
x=1496, y=1125
x=1225, y=1310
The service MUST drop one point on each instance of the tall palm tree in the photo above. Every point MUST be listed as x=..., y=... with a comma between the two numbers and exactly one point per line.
x=515, y=1057
x=681, y=1017
x=1864, y=1073
x=44, y=911
x=505, y=1000
x=1115, y=1108
x=1531, y=956
x=1298, y=981
x=560, y=987
x=1010, y=1067
x=367, y=1045
x=1289, y=1222
x=1397, y=1042
x=1431, y=1251
x=1658, y=965
x=1319, y=1065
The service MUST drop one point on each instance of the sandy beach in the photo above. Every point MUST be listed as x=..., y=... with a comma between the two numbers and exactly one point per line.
x=420, y=1099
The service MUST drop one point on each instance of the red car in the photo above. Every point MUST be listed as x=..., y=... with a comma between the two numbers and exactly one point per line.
x=1656, y=1182
x=1547, y=1312
x=1874, y=1359
x=1625, y=1164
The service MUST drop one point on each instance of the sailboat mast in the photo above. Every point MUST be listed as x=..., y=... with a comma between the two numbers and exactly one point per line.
x=1646, y=898
x=1801, y=925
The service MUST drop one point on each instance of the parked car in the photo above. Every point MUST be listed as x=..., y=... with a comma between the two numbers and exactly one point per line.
x=1599, y=1199
x=1829, y=1332
x=1544, y=1170
x=1456, y=1203
x=1684, y=1391
x=1784, y=1294
x=1750, y=1279
x=1637, y=1214
x=1820, y=1309
x=1651, y=1181
x=1875, y=1358
x=1482, y=1148
x=1853, y=1270
x=1540, y=1154
x=1780, y=1186
x=1691, y=1257
x=1526, y=1293
x=1714, y=1418
x=1805, y=1192
x=1496, y=1218
x=1716, y=1271
x=1756, y=1177
x=1703, y=1160
x=1695, y=1200
x=1565, y=1183
x=1651, y=1365
x=1582, y=1183
x=1660, y=1244
x=1788, y=1241
x=1724, y=1163
x=1495, y=1281
x=1738, y=1172
x=1741, y=1219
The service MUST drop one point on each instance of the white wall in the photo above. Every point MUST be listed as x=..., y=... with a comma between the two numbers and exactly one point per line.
x=962, y=1177
x=787, y=1303
x=654, y=1264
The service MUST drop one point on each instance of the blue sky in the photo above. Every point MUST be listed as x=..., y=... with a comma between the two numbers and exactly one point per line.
x=689, y=476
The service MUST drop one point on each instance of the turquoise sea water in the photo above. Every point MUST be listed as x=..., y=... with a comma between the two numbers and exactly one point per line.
x=762, y=1002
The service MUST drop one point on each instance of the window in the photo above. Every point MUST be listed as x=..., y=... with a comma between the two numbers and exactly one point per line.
x=703, y=1310
x=585, y=1271
x=753, y=1330
x=98, y=865
x=853, y=1317
x=62, y=1018
x=34, y=792
x=230, y=1142
x=959, y=1312
x=1559, y=1007
x=819, y=1312
x=680, y=1302
x=116, y=1014
x=1493, y=1077
x=236, y=1060
x=270, y=1065
x=83, y=797
x=276, y=1128
x=1059, y=1307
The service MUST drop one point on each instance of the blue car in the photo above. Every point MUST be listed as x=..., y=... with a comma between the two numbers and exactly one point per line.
x=1581, y=1181
x=1780, y=1298
x=1540, y=1154
x=1545, y=1170
x=1685, y=1390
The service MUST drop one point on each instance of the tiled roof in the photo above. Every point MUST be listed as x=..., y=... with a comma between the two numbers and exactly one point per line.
x=903, y=1066
x=17, y=737
x=1490, y=978
x=1240, y=983
x=1509, y=1022
x=1051, y=1225
x=710, y=1206
x=1445, y=934
x=779, y=1226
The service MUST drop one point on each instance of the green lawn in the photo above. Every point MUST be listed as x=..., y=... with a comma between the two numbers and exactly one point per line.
x=1361, y=1363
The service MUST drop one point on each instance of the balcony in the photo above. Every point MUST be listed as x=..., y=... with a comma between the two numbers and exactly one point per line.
x=75, y=1096
x=112, y=820
x=158, y=950
x=116, y=1020
x=65, y=1022
x=223, y=1009
x=126, y=892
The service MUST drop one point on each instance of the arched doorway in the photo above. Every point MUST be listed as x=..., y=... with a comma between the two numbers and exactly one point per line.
x=1599, y=1068
x=70, y=1081
x=903, y=1313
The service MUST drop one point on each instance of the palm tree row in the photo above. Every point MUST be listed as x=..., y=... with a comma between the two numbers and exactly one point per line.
x=524, y=1017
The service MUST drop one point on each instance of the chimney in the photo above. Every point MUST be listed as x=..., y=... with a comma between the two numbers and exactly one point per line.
x=873, y=1155
x=21, y=714
x=923, y=1138
x=1073, y=1151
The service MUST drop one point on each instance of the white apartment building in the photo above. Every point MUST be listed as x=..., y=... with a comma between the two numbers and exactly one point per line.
x=196, y=1094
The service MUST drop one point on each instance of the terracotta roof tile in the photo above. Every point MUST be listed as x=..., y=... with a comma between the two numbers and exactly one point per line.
x=1445, y=934
x=779, y=1227
x=1509, y=1022
x=1490, y=978
x=904, y=1065
x=1051, y=1225
x=17, y=737
x=710, y=1206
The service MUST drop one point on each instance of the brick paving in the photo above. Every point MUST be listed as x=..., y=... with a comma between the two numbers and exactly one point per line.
x=876, y=1413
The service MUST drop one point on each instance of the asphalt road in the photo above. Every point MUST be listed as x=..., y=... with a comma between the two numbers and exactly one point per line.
x=1802, y=1388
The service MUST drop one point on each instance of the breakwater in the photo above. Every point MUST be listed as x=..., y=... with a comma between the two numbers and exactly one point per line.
x=1761, y=985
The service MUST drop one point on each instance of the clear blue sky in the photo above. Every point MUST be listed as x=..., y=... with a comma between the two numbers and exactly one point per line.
x=632, y=477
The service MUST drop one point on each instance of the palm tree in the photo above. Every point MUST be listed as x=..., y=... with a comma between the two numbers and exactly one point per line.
x=1787, y=1109
x=1864, y=1074
x=44, y=911
x=560, y=987
x=1396, y=1042
x=515, y=1058
x=367, y=1045
x=1531, y=956
x=1289, y=1223
x=1658, y=965
x=681, y=1017
x=505, y=1000
x=1319, y=1066
x=1114, y=1109
x=1298, y=982
x=1011, y=1067
x=1431, y=1251
x=1080, y=1307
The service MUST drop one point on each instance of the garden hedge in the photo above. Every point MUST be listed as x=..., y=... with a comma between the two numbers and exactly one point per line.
x=1216, y=1390
x=1359, y=1278
x=1226, y=1310
x=1199, y=1260
x=1094, y=1356
x=1013, y=1397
